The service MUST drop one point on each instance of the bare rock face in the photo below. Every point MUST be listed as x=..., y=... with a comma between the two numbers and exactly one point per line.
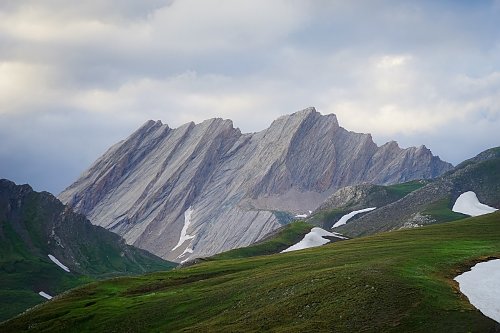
x=428, y=204
x=202, y=189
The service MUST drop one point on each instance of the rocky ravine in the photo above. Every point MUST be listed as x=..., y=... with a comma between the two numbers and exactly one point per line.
x=202, y=189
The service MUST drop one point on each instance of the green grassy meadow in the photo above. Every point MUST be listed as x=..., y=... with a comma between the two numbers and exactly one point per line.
x=400, y=281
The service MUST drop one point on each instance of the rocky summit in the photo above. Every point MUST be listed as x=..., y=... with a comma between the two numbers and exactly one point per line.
x=201, y=189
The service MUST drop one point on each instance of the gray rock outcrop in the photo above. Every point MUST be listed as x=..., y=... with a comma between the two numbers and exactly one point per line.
x=202, y=189
x=432, y=202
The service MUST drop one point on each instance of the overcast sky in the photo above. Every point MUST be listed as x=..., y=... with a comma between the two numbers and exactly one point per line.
x=76, y=77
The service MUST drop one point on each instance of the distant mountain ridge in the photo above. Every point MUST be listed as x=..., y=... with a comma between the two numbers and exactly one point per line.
x=215, y=189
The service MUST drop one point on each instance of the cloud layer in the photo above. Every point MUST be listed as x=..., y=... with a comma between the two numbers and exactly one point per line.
x=76, y=78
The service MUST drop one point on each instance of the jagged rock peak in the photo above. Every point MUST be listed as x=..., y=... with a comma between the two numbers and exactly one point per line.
x=148, y=125
x=152, y=125
x=391, y=144
x=309, y=113
x=212, y=188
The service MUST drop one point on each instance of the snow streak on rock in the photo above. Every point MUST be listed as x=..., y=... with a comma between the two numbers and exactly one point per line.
x=58, y=263
x=45, y=295
x=343, y=220
x=184, y=236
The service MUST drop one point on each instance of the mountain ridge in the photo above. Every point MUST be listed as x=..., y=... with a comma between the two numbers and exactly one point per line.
x=429, y=202
x=233, y=183
x=45, y=247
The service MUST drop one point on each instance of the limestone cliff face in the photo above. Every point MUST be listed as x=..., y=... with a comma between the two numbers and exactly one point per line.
x=202, y=189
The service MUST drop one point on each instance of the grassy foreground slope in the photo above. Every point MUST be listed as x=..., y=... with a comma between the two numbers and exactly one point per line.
x=399, y=281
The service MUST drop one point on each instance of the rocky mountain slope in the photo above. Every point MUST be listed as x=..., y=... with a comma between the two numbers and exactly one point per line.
x=203, y=189
x=45, y=247
x=359, y=197
x=427, y=203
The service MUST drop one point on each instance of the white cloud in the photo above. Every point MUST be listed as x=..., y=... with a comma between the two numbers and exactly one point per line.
x=225, y=25
x=25, y=85
x=390, y=61
x=405, y=71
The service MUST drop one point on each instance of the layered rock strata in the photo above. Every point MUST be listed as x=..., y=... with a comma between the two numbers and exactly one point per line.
x=201, y=189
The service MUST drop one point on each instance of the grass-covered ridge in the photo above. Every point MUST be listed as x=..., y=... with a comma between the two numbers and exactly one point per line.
x=283, y=238
x=441, y=211
x=399, y=281
x=398, y=191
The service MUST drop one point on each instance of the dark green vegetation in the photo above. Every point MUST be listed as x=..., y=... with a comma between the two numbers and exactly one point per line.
x=392, y=282
x=440, y=211
x=398, y=191
x=325, y=218
x=279, y=240
x=34, y=225
x=283, y=217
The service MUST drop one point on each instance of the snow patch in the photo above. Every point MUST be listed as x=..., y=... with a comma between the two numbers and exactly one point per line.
x=186, y=251
x=481, y=285
x=303, y=216
x=184, y=236
x=183, y=261
x=44, y=294
x=343, y=220
x=313, y=238
x=468, y=204
x=58, y=263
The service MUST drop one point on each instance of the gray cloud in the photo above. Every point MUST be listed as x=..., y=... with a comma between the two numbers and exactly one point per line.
x=76, y=78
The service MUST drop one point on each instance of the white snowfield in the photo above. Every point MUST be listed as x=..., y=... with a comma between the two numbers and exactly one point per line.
x=313, y=238
x=343, y=220
x=184, y=236
x=58, y=263
x=44, y=294
x=303, y=216
x=468, y=204
x=481, y=285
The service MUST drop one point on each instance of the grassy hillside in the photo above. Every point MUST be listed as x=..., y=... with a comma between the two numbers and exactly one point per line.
x=34, y=225
x=281, y=239
x=397, y=191
x=399, y=281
